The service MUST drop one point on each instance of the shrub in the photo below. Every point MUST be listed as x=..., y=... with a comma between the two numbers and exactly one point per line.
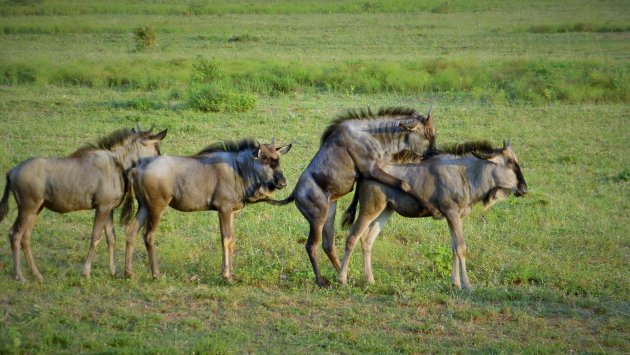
x=18, y=74
x=211, y=91
x=206, y=72
x=145, y=37
x=216, y=98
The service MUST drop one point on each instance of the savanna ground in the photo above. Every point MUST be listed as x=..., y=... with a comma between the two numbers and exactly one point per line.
x=550, y=270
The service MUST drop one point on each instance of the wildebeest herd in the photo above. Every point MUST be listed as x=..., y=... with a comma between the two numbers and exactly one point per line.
x=389, y=157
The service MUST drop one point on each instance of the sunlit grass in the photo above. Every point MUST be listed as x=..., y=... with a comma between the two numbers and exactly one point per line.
x=549, y=270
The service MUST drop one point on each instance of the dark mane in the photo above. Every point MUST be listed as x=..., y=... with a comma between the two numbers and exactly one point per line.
x=107, y=143
x=229, y=146
x=366, y=114
x=482, y=146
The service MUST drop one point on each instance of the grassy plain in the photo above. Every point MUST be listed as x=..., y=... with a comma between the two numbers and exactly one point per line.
x=550, y=270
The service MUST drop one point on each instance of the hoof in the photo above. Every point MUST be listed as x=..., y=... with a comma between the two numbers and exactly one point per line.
x=323, y=283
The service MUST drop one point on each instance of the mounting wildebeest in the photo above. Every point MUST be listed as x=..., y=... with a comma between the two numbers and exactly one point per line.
x=223, y=177
x=93, y=177
x=352, y=147
x=452, y=183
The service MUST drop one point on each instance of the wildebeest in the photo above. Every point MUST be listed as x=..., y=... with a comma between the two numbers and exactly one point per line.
x=223, y=177
x=453, y=184
x=353, y=146
x=93, y=177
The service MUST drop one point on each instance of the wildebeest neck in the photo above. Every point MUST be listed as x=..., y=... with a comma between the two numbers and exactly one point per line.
x=389, y=113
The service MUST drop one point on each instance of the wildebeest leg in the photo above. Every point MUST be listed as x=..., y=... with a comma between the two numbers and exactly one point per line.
x=110, y=234
x=100, y=217
x=21, y=235
x=367, y=241
x=357, y=230
x=130, y=233
x=328, y=242
x=228, y=241
x=312, y=202
x=460, y=275
x=149, y=236
x=378, y=174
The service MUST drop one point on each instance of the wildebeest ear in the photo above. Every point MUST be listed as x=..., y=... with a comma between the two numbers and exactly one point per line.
x=411, y=126
x=156, y=138
x=284, y=149
x=159, y=136
x=507, y=145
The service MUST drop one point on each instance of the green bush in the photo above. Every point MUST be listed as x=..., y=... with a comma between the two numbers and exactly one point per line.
x=18, y=74
x=206, y=72
x=216, y=98
x=145, y=37
x=211, y=91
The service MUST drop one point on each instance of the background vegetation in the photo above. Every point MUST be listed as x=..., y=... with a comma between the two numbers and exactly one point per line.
x=550, y=270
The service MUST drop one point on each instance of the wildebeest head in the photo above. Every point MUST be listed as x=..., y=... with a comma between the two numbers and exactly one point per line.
x=267, y=165
x=420, y=133
x=506, y=158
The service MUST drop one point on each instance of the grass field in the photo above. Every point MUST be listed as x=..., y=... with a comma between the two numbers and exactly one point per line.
x=551, y=270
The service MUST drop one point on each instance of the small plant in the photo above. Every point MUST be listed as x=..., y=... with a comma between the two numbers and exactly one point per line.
x=145, y=37
x=443, y=8
x=216, y=98
x=441, y=258
x=242, y=38
x=210, y=90
x=623, y=176
x=206, y=72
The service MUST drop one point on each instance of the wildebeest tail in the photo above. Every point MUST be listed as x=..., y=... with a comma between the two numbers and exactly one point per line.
x=130, y=195
x=351, y=211
x=286, y=201
x=4, y=203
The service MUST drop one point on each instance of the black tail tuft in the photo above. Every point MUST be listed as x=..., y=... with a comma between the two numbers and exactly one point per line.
x=4, y=203
x=127, y=209
x=351, y=211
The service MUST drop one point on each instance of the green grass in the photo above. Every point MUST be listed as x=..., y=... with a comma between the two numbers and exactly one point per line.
x=549, y=270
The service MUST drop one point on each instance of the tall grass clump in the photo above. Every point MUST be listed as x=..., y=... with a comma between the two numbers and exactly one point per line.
x=145, y=37
x=15, y=74
x=578, y=27
x=211, y=91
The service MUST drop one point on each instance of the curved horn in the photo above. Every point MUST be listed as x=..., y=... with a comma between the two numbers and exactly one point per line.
x=151, y=129
x=273, y=140
x=506, y=145
x=138, y=129
x=430, y=110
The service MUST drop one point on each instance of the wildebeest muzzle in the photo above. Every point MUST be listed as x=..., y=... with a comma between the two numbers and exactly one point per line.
x=279, y=181
x=521, y=187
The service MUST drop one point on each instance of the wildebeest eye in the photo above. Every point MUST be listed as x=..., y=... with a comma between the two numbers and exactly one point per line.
x=274, y=163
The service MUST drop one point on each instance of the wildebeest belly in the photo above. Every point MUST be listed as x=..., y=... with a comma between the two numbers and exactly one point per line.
x=190, y=203
x=406, y=205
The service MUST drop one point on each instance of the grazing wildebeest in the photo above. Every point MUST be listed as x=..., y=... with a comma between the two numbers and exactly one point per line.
x=93, y=177
x=452, y=183
x=223, y=177
x=353, y=146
